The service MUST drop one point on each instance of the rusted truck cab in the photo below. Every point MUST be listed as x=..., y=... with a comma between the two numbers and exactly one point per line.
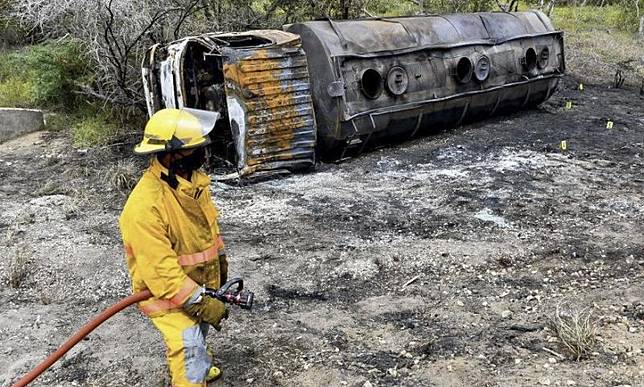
x=258, y=81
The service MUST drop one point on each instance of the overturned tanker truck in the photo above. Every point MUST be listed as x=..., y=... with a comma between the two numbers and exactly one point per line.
x=330, y=89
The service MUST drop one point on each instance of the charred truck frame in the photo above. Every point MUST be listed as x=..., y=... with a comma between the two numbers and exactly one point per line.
x=337, y=87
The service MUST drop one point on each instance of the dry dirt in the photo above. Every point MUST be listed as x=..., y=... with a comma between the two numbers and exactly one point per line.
x=495, y=223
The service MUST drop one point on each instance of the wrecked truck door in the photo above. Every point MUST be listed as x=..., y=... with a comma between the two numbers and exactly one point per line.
x=268, y=98
x=258, y=81
x=150, y=80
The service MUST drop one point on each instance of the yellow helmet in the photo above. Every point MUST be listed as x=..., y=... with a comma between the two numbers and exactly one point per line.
x=176, y=129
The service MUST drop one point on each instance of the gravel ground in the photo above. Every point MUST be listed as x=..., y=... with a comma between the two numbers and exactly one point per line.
x=436, y=262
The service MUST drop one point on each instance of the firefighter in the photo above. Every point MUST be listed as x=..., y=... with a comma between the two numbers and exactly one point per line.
x=172, y=241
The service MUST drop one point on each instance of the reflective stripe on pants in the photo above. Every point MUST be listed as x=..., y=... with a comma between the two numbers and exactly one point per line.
x=186, y=354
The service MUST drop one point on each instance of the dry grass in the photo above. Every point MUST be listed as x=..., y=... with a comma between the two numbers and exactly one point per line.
x=576, y=329
x=123, y=175
x=596, y=56
x=51, y=187
x=25, y=217
x=19, y=266
x=74, y=208
x=597, y=46
x=51, y=295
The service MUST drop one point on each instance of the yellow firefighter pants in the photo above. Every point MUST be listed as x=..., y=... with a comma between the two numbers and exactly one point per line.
x=185, y=340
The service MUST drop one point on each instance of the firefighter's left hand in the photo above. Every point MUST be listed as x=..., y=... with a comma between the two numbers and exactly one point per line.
x=209, y=310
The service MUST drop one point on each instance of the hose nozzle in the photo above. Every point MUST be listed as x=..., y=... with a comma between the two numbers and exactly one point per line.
x=232, y=292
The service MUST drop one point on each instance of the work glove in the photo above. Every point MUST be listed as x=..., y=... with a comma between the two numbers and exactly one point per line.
x=209, y=310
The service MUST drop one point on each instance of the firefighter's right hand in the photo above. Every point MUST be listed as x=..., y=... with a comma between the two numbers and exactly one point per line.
x=209, y=310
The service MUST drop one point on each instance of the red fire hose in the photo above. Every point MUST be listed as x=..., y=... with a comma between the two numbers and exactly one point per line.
x=78, y=336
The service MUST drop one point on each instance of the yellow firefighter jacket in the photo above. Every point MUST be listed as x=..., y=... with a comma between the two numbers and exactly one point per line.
x=171, y=238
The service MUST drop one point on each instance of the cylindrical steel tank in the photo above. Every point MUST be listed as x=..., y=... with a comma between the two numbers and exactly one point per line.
x=394, y=78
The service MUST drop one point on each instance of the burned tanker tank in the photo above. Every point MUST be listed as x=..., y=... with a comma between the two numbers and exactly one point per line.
x=332, y=89
x=395, y=78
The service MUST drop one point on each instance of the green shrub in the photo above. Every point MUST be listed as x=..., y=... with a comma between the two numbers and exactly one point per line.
x=620, y=16
x=53, y=68
x=401, y=8
x=43, y=76
x=46, y=76
x=89, y=125
x=15, y=92
x=628, y=16
x=586, y=18
x=94, y=128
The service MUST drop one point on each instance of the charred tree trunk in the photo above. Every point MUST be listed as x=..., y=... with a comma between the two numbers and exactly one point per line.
x=551, y=7
x=207, y=9
x=512, y=6
x=640, y=17
x=344, y=7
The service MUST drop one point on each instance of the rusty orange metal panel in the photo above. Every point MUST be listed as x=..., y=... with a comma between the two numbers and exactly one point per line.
x=269, y=104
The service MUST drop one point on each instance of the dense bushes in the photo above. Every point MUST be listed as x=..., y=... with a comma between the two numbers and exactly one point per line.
x=46, y=76
x=10, y=33
x=632, y=15
x=621, y=16
x=43, y=75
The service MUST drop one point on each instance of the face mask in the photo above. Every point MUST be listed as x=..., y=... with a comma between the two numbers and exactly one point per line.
x=191, y=162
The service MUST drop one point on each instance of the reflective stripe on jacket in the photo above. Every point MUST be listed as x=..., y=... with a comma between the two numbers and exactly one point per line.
x=171, y=238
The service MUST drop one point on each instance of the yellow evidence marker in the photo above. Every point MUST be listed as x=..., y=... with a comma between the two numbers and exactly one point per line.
x=563, y=145
x=568, y=105
x=581, y=87
x=609, y=124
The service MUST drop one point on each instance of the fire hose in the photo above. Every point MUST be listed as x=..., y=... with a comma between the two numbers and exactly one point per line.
x=226, y=294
